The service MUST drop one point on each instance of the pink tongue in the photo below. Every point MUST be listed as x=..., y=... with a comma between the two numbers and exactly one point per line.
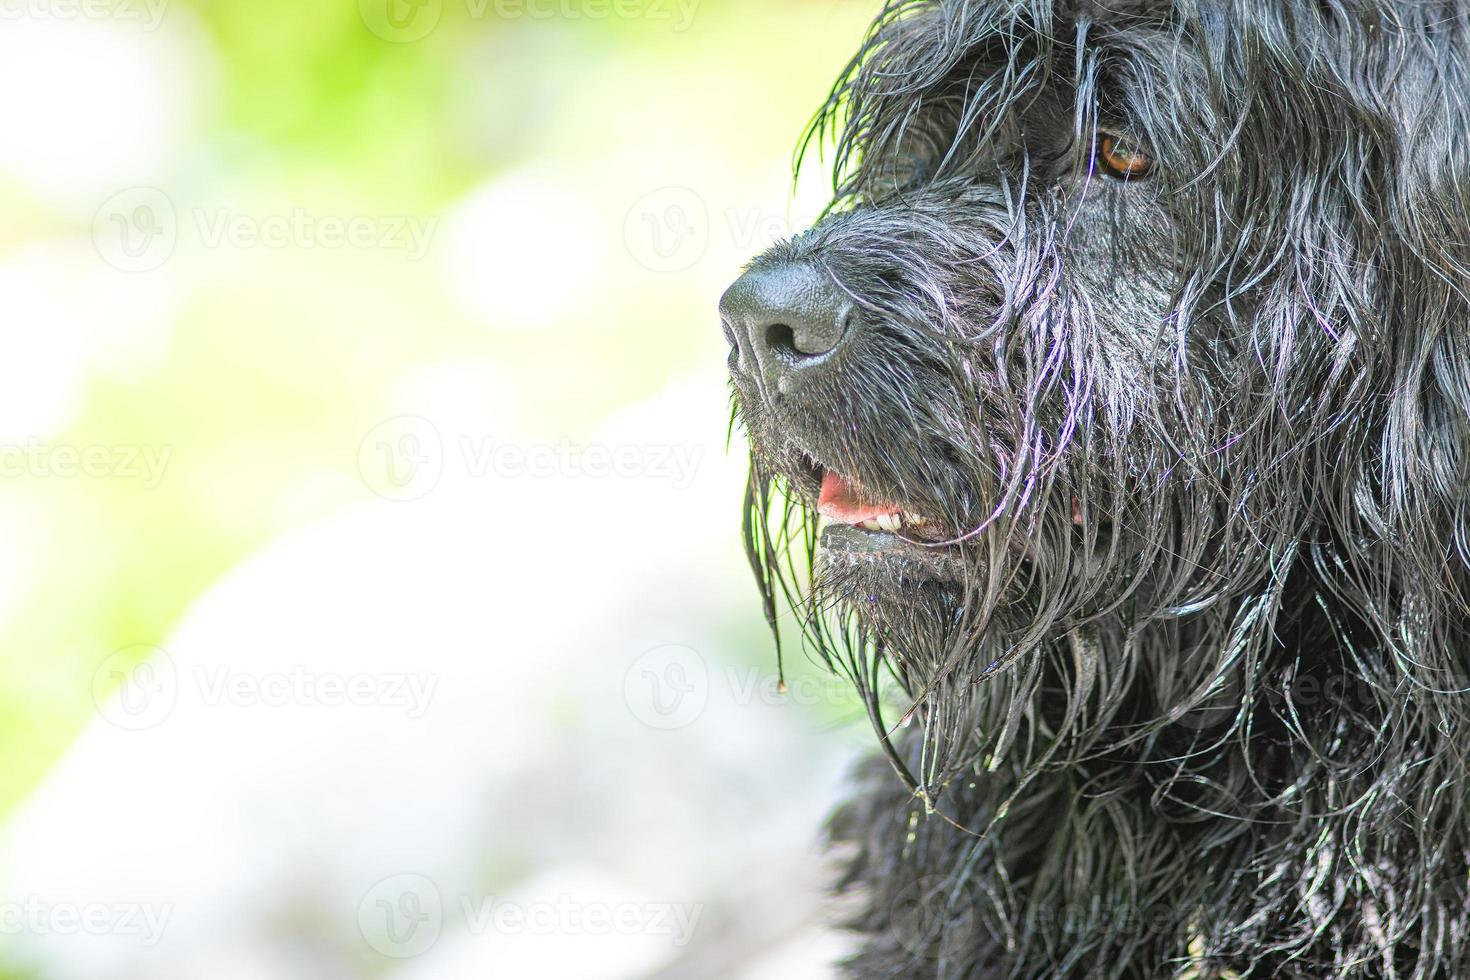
x=838, y=502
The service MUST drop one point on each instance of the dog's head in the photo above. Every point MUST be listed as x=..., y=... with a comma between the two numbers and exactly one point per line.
x=1125, y=312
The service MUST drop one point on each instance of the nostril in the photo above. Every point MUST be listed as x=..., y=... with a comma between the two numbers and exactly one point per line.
x=781, y=340
x=805, y=341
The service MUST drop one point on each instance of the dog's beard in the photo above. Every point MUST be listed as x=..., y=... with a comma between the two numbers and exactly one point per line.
x=959, y=643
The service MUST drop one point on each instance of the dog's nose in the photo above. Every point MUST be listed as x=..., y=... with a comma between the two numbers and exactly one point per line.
x=784, y=322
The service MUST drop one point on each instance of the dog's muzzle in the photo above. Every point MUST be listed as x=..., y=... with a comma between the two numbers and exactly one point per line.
x=785, y=323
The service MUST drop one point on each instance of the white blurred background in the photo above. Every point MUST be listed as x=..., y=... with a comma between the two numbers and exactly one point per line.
x=371, y=597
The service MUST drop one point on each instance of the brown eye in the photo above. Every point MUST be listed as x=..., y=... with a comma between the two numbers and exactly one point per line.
x=1118, y=156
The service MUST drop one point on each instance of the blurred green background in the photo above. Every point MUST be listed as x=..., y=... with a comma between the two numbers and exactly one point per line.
x=542, y=150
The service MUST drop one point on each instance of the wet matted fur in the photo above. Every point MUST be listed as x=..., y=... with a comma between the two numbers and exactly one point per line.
x=1184, y=640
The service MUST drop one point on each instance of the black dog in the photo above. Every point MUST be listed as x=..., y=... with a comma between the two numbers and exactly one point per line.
x=1130, y=369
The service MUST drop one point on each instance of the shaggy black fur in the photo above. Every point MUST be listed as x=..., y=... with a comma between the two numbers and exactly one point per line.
x=1187, y=663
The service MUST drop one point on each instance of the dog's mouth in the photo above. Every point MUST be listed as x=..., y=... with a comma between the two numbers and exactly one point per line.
x=841, y=502
x=865, y=525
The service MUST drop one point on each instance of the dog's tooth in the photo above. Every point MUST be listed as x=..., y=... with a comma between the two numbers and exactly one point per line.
x=914, y=520
x=870, y=526
x=890, y=522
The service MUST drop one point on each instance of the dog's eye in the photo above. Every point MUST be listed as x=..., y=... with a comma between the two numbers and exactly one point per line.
x=1120, y=157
